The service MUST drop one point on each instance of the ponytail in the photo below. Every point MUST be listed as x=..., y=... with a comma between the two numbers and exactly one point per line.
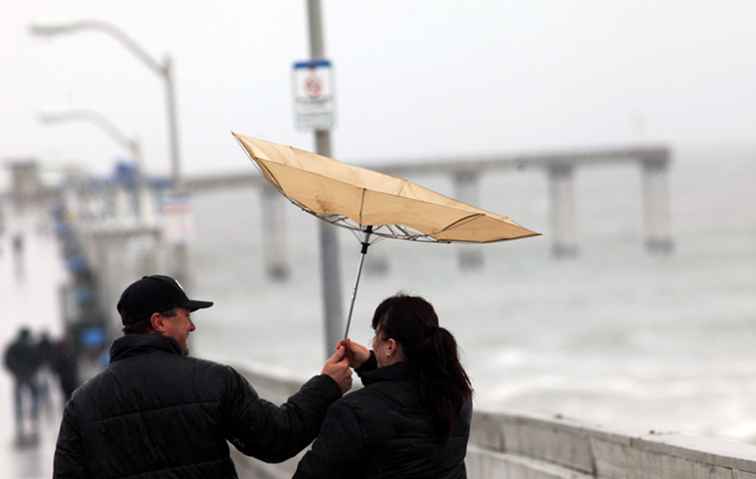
x=443, y=382
x=431, y=353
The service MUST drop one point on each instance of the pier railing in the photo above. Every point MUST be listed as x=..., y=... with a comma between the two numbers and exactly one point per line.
x=526, y=446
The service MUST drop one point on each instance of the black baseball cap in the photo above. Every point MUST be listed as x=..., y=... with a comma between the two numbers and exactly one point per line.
x=154, y=294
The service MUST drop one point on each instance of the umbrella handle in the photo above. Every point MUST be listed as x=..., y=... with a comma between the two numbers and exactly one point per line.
x=364, y=250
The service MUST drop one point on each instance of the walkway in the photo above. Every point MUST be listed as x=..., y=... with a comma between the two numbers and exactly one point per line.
x=29, y=297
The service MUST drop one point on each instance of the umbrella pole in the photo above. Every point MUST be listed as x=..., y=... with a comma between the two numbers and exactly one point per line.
x=365, y=245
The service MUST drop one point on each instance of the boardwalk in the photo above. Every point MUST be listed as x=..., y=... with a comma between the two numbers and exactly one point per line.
x=28, y=294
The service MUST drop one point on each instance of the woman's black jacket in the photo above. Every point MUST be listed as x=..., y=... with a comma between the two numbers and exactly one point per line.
x=383, y=431
x=155, y=413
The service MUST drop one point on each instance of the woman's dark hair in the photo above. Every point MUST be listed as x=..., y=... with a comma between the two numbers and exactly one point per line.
x=431, y=353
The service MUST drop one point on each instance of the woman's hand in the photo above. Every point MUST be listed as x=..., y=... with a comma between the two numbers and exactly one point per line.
x=355, y=352
x=337, y=367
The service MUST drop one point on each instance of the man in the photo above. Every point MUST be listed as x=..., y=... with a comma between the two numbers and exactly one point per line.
x=22, y=362
x=157, y=413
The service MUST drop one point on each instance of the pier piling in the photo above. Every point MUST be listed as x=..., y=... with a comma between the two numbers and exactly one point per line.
x=656, y=204
x=467, y=190
x=562, y=196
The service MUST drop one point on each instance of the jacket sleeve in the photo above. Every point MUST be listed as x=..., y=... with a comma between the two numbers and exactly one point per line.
x=69, y=453
x=271, y=433
x=339, y=451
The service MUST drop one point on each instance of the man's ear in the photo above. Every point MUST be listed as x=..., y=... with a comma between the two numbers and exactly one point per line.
x=157, y=322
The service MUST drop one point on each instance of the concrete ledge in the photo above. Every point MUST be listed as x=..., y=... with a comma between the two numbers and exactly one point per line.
x=513, y=446
x=485, y=463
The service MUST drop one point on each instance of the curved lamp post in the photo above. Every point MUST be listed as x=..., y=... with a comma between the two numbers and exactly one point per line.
x=99, y=120
x=163, y=69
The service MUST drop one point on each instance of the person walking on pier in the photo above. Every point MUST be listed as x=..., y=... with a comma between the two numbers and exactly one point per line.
x=157, y=413
x=19, y=266
x=45, y=351
x=22, y=361
x=412, y=418
x=66, y=367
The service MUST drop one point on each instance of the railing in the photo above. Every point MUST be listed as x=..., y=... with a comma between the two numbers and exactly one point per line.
x=526, y=446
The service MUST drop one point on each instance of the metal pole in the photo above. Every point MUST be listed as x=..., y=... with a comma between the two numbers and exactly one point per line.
x=136, y=156
x=130, y=143
x=365, y=245
x=170, y=97
x=180, y=256
x=330, y=270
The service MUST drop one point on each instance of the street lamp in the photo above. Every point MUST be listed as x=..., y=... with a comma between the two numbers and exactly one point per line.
x=99, y=120
x=163, y=69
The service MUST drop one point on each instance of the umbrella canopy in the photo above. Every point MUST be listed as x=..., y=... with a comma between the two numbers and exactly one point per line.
x=356, y=198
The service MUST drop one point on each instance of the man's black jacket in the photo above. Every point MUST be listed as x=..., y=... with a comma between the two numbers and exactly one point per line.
x=384, y=431
x=155, y=413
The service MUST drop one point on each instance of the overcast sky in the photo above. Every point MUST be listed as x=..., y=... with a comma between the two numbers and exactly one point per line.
x=413, y=78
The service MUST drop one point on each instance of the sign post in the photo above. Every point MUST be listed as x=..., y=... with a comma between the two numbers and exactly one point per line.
x=318, y=112
x=314, y=107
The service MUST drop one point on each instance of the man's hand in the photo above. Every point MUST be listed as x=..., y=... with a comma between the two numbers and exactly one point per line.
x=337, y=368
x=355, y=352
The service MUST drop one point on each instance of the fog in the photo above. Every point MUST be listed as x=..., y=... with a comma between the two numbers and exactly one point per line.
x=412, y=78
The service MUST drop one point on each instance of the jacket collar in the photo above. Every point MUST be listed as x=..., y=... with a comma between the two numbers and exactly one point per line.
x=395, y=372
x=136, y=344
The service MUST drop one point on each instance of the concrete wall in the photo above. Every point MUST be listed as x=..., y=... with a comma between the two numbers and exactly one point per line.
x=514, y=446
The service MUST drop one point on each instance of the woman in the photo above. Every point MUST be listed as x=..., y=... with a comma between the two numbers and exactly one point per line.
x=412, y=418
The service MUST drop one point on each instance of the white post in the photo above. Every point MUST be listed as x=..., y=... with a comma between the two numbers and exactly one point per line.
x=148, y=209
x=656, y=205
x=72, y=202
x=273, y=233
x=561, y=189
x=122, y=208
x=467, y=190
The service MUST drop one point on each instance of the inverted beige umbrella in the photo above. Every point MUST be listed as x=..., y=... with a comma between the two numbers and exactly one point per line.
x=372, y=203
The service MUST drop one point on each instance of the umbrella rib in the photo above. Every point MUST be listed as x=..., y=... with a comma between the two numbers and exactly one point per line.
x=362, y=204
x=459, y=222
x=344, y=224
x=403, y=230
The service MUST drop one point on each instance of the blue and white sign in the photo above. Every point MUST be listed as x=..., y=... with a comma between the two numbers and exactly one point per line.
x=314, y=107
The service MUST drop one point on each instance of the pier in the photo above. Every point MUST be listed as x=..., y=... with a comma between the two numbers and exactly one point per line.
x=467, y=172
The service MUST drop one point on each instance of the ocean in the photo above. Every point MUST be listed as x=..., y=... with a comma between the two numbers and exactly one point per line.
x=616, y=337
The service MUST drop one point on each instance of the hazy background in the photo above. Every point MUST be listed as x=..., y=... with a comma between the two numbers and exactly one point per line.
x=615, y=336
x=412, y=78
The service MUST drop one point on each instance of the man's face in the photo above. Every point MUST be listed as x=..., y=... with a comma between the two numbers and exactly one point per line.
x=178, y=327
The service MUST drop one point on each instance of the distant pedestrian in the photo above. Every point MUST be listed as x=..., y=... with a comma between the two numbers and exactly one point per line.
x=45, y=350
x=66, y=367
x=18, y=255
x=22, y=361
x=155, y=412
